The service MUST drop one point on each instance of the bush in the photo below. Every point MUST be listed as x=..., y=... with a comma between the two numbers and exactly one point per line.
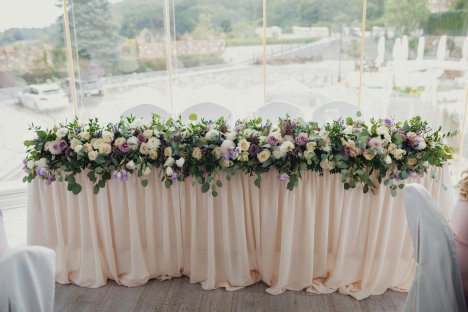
x=452, y=23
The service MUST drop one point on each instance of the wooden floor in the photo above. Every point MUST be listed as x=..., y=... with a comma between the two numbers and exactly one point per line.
x=179, y=295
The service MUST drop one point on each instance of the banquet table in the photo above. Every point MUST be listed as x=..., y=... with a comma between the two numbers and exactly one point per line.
x=318, y=237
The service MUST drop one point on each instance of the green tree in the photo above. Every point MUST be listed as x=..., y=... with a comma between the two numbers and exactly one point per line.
x=95, y=30
x=406, y=15
x=204, y=27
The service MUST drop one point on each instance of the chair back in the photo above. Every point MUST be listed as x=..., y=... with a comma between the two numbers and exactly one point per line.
x=437, y=284
x=146, y=111
x=279, y=109
x=334, y=110
x=207, y=111
x=4, y=248
x=27, y=279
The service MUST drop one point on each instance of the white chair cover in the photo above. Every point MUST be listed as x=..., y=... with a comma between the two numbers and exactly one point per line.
x=277, y=109
x=3, y=240
x=145, y=111
x=27, y=280
x=334, y=110
x=207, y=111
x=437, y=284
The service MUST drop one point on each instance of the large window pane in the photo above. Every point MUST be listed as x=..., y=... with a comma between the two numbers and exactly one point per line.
x=217, y=54
x=119, y=48
x=32, y=67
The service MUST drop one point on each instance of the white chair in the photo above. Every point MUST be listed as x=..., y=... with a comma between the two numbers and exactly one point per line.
x=334, y=110
x=277, y=109
x=27, y=277
x=437, y=284
x=27, y=280
x=146, y=111
x=207, y=111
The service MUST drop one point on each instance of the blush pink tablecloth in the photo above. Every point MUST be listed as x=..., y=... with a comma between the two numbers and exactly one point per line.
x=318, y=237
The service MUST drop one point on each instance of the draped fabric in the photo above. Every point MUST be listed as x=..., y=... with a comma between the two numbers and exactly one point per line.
x=318, y=237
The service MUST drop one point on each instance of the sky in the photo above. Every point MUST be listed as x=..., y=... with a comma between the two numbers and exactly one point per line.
x=28, y=13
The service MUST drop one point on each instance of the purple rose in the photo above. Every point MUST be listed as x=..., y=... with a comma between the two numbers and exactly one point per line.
x=284, y=177
x=69, y=151
x=302, y=138
x=388, y=122
x=41, y=172
x=123, y=176
x=254, y=149
x=55, y=149
x=375, y=143
x=174, y=176
x=141, y=138
x=63, y=145
x=272, y=140
x=124, y=148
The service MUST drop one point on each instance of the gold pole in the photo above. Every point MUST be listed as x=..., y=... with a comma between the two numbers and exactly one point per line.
x=363, y=32
x=71, y=68
x=264, y=51
x=167, y=25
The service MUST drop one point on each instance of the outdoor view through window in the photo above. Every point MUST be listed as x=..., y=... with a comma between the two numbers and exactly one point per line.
x=415, y=60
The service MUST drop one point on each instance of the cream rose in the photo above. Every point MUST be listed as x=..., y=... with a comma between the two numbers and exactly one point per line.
x=148, y=133
x=244, y=156
x=153, y=143
x=105, y=148
x=180, y=162
x=311, y=146
x=132, y=142
x=93, y=155
x=130, y=165
x=326, y=164
x=217, y=153
x=308, y=154
x=85, y=135
x=144, y=149
x=226, y=163
x=197, y=153
x=96, y=143
x=87, y=148
x=398, y=153
x=169, y=171
x=231, y=135
x=168, y=151
x=153, y=154
x=169, y=162
x=368, y=155
x=243, y=145
x=412, y=161
x=107, y=136
x=264, y=155
x=119, y=141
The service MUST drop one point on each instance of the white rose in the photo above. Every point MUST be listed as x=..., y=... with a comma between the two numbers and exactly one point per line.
x=78, y=148
x=169, y=162
x=74, y=143
x=326, y=148
x=61, y=132
x=243, y=145
x=382, y=130
x=227, y=144
x=132, y=142
x=231, y=135
x=310, y=146
x=107, y=136
x=169, y=171
x=286, y=147
x=212, y=134
x=348, y=130
x=41, y=163
x=130, y=165
x=153, y=143
x=422, y=145
x=119, y=141
x=30, y=164
x=153, y=154
x=180, y=162
x=147, y=171
x=105, y=148
x=388, y=160
x=277, y=154
x=93, y=155
x=85, y=135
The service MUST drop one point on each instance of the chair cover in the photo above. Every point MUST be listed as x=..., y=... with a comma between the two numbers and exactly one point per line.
x=27, y=280
x=207, y=111
x=437, y=282
x=145, y=111
x=334, y=110
x=277, y=109
x=3, y=240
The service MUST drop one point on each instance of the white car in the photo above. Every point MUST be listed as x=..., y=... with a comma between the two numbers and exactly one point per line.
x=43, y=97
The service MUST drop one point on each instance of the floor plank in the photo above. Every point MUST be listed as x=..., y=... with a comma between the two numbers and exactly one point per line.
x=180, y=295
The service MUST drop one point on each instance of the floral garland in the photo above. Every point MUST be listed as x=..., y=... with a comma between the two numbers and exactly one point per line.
x=364, y=154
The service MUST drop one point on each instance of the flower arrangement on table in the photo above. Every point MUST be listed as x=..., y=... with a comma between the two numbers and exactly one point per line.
x=364, y=154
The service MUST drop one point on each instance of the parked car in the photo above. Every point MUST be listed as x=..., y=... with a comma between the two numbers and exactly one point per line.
x=87, y=87
x=43, y=97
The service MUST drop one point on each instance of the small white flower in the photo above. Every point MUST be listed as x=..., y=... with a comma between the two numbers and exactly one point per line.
x=130, y=165
x=147, y=171
x=180, y=162
x=422, y=145
x=212, y=134
x=388, y=160
x=61, y=132
x=41, y=163
x=286, y=147
x=226, y=144
x=348, y=130
x=30, y=164
x=169, y=171
x=169, y=161
x=231, y=135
